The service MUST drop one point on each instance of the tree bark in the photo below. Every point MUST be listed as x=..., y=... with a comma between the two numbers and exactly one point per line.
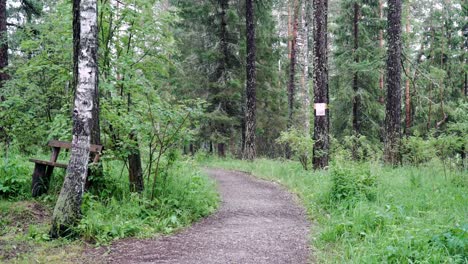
x=135, y=171
x=96, y=129
x=381, y=77
x=393, y=105
x=322, y=123
x=304, y=64
x=292, y=72
x=407, y=82
x=250, y=113
x=67, y=209
x=3, y=46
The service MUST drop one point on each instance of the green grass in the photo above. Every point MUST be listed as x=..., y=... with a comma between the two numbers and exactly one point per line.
x=368, y=213
x=110, y=211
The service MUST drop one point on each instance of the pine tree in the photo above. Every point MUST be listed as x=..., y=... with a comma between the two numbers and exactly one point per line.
x=321, y=97
x=250, y=116
x=393, y=102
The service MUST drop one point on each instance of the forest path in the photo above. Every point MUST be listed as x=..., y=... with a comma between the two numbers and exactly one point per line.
x=257, y=222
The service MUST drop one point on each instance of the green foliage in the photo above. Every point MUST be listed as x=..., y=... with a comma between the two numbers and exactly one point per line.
x=15, y=178
x=301, y=144
x=455, y=241
x=187, y=196
x=352, y=182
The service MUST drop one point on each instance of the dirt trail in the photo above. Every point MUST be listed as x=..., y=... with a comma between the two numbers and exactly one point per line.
x=257, y=222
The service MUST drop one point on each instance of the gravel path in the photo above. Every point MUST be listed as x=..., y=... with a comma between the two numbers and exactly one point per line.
x=257, y=222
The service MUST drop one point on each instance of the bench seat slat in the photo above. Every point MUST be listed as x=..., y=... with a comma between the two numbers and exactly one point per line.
x=68, y=145
x=50, y=163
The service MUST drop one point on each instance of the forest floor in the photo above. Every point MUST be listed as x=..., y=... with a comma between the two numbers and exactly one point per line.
x=257, y=222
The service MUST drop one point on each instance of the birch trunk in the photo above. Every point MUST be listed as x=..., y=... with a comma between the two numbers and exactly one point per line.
x=322, y=123
x=250, y=111
x=393, y=105
x=67, y=209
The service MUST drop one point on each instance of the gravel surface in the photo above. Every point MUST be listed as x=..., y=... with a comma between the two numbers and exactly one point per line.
x=257, y=222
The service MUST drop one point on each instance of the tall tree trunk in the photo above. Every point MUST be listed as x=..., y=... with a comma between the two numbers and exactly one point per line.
x=321, y=99
x=381, y=77
x=67, y=209
x=393, y=105
x=407, y=81
x=250, y=113
x=292, y=72
x=3, y=46
x=303, y=60
x=96, y=129
x=224, y=64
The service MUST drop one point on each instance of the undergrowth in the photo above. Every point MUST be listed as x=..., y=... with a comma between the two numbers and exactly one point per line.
x=369, y=213
x=109, y=210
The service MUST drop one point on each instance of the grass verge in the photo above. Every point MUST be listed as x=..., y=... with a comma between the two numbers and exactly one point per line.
x=368, y=213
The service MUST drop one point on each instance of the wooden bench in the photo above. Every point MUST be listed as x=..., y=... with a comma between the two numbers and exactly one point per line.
x=43, y=169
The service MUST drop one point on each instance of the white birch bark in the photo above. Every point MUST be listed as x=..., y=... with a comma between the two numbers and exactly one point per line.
x=67, y=209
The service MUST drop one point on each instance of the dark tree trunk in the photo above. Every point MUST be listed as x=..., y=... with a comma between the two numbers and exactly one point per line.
x=393, y=105
x=251, y=97
x=135, y=171
x=222, y=150
x=407, y=81
x=3, y=45
x=322, y=123
x=381, y=76
x=68, y=207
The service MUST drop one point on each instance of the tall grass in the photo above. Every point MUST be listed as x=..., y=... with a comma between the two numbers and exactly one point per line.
x=368, y=213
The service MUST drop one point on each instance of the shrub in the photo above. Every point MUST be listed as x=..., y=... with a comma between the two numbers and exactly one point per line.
x=352, y=183
x=14, y=178
x=301, y=144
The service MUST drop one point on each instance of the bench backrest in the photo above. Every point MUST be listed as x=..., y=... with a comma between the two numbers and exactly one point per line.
x=57, y=145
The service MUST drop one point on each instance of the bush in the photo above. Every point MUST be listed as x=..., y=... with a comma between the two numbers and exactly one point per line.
x=14, y=178
x=301, y=144
x=352, y=183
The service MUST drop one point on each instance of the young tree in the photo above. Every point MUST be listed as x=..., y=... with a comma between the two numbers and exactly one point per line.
x=67, y=208
x=250, y=110
x=393, y=103
x=320, y=58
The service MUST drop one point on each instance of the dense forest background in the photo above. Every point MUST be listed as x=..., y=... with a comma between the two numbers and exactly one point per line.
x=178, y=57
x=181, y=82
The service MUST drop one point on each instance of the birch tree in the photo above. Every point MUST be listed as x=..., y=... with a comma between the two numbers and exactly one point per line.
x=67, y=209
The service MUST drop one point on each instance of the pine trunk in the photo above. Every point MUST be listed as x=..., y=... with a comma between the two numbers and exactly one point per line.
x=303, y=61
x=3, y=46
x=292, y=72
x=407, y=82
x=322, y=123
x=67, y=209
x=250, y=111
x=381, y=77
x=393, y=105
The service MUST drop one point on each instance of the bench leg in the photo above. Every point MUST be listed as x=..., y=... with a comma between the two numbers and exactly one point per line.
x=41, y=179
